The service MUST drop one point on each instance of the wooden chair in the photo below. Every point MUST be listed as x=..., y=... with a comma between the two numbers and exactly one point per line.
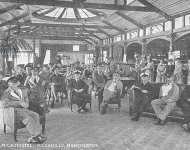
x=10, y=120
x=72, y=101
x=116, y=101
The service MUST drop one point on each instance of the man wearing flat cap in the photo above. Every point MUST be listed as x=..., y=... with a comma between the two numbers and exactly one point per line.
x=169, y=95
x=142, y=96
x=16, y=97
x=79, y=91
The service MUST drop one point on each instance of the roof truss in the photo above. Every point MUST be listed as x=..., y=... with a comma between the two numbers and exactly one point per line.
x=74, y=4
x=156, y=9
x=13, y=20
x=6, y=9
x=130, y=19
x=113, y=26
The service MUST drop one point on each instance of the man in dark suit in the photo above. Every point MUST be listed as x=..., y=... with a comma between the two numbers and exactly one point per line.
x=142, y=93
x=79, y=91
x=99, y=83
x=184, y=104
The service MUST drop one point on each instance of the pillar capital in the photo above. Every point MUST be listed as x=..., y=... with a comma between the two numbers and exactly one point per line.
x=172, y=37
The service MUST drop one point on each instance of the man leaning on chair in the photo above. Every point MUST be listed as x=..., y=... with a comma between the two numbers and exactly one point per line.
x=15, y=97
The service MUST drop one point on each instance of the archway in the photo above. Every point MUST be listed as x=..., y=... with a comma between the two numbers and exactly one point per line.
x=182, y=44
x=158, y=48
x=132, y=49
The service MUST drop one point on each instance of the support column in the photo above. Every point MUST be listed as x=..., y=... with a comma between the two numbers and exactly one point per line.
x=172, y=36
x=144, y=47
x=125, y=53
x=111, y=51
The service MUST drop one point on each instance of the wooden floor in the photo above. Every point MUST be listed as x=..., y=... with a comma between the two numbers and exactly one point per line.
x=113, y=131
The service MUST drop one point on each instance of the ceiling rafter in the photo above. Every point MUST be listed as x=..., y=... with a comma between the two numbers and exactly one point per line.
x=77, y=14
x=48, y=11
x=92, y=34
x=72, y=4
x=71, y=25
x=62, y=13
x=156, y=9
x=8, y=8
x=130, y=19
x=17, y=26
x=113, y=26
x=105, y=33
x=95, y=12
x=88, y=42
x=13, y=20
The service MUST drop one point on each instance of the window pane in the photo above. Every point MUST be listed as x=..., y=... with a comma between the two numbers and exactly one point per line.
x=168, y=25
x=187, y=20
x=134, y=34
x=178, y=22
x=148, y=31
x=123, y=36
x=128, y=36
x=157, y=28
x=24, y=58
x=75, y=48
x=104, y=56
x=47, y=57
x=141, y=32
x=118, y=38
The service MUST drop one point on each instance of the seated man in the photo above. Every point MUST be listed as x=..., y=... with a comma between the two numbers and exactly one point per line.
x=58, y=85
x=20, y=75
x=3, y=84
x=36, y=92
x=184, y=104
x=112, y=91
x=79, y=91
x=143, y=92
x=99, y=83
x=169, y=95
x=15, y=97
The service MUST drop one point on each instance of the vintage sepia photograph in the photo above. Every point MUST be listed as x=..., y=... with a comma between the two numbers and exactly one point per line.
x=94, y=74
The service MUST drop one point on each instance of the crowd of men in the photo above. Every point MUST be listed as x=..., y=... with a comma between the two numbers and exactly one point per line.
x=28, y=89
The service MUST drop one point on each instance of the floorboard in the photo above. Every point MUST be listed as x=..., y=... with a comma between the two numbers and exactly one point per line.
x=113, y=131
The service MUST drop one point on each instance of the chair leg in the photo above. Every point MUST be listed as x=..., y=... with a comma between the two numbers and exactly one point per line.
x=43, y=128
x=71, y=107
x=15, y=135
x=90, y=106
x=119, y=106
x=5, y=129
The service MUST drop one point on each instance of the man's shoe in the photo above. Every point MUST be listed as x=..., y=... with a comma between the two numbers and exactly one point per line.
x=185, y=127
x=79, y=110
x=158, y=122
x=135, y=118
x=163, y=122
x=85, y=109
x=41, y=139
